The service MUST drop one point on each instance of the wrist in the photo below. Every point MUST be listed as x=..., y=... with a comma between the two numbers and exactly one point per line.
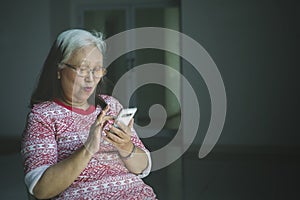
x=126, y=154
x=86, y=152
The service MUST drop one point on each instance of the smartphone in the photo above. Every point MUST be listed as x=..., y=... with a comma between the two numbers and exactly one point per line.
x=125, y=115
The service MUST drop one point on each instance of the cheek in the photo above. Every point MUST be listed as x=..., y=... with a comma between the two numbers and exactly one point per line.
x=67, y=86
x=68, y=83
x=76, y=85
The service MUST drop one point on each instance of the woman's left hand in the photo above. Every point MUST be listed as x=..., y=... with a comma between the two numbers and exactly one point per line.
x=121, y=137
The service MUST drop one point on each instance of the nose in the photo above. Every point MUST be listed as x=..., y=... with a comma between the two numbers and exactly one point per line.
x=90, y=76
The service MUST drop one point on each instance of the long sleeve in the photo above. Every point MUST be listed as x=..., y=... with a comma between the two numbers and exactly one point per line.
x=39, y=149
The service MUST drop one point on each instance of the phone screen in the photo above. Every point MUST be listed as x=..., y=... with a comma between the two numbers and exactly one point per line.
x=125, y=115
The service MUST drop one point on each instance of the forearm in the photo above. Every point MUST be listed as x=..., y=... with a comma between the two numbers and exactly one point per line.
x=137, y=162
x=60, y=176
x=134, y=158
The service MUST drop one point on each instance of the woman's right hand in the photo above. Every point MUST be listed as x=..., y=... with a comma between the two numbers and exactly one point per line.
x=92, y=143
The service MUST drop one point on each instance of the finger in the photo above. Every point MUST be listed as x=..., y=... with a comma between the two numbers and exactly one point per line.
x=100, y=125
x=103, y=123
x=110, y=141
x=119, y=132
x=104, y=111
x=113, y=137
x=102, y=115
x=119, y=136
x=107, y=118
x=123, y=127
x=106, y=108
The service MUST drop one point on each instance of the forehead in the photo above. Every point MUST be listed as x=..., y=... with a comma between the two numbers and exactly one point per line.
x=86, y=55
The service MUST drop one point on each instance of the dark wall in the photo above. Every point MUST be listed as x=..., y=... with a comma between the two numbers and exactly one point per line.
x=254, y=44
x=24, y=43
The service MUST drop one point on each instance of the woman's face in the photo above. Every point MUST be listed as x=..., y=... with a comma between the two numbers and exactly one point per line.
x=78, y=89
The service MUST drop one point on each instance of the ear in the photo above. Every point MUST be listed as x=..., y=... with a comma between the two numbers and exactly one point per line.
x=58, y=75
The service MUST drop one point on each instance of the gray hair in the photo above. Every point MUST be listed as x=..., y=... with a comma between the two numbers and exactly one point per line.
x=74, y=39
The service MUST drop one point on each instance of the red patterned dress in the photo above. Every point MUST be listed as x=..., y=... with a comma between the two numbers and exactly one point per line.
x=54, y=131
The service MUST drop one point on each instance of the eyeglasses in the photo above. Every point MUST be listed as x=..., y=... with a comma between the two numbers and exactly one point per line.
x=84, y=71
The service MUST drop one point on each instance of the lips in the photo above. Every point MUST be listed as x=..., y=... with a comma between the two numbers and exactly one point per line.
x=88, y=89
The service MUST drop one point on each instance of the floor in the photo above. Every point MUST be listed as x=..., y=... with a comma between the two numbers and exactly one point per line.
x=220, y=176
x=11, y=173
x=231, y=177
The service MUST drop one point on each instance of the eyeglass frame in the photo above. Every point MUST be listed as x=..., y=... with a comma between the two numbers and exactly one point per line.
x=90, y=70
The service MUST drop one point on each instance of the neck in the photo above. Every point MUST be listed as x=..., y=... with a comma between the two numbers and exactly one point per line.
x=82, y=105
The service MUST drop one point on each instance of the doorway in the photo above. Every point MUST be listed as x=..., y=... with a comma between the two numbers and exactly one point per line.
x=112, y=19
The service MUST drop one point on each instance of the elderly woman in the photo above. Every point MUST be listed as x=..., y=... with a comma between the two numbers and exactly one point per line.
x=69, y=146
